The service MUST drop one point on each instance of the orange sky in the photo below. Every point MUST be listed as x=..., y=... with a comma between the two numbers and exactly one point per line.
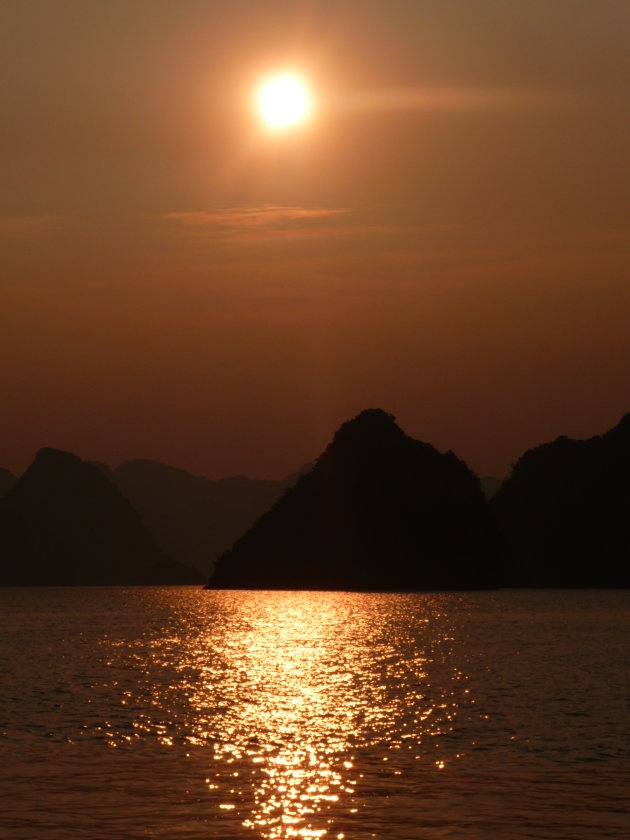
x=448, y=238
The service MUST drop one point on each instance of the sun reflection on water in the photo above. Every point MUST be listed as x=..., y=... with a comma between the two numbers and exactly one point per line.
x=288, y=690
x=308, y=706
x=172, y=712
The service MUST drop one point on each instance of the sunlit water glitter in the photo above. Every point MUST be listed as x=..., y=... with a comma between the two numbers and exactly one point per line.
x=188, y=714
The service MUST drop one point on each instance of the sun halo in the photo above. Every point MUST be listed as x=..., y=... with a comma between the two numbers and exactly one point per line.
x=283, y=101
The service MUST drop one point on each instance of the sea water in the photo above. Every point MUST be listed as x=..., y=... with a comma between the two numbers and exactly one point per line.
x=179, y=713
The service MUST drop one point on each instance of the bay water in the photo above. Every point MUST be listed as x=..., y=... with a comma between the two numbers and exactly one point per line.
x=181, y=713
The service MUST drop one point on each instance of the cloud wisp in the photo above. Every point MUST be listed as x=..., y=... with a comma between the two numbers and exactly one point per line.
x=266, y=222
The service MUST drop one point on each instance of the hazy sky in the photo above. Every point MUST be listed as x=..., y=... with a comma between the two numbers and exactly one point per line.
x=448, y=238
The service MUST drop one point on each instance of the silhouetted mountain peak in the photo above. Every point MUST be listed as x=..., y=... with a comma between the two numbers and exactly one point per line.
x=65, y=522
x=60, y=480
x=50, y=453
x=48, y=458
x=372, y=422
x=564, y=512
x=371, y=438
x=620, y=434
x=369, y=421
x=379, y=510
x=55, y=471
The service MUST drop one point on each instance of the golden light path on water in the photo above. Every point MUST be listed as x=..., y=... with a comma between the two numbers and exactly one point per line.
x=301, y=698
x=177, y=713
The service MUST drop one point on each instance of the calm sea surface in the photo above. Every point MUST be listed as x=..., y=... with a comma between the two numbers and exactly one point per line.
x=173, y=712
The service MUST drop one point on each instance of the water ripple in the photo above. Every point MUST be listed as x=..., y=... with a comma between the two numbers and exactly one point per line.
x=179, y=713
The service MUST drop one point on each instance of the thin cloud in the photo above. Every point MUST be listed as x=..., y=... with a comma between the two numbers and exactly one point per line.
x=267, y=221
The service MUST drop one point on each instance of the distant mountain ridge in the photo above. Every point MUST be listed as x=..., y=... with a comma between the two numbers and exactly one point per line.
x=65, y=523
x=413, y=514
x=378, y=511
x=183, y=521
x=191, y=518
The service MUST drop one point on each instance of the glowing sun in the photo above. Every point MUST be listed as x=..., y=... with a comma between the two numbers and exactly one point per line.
x=283, y=101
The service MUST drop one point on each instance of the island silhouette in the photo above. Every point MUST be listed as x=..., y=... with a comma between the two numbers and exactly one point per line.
x=65, y=523
x=564, y=513
x=378, y=511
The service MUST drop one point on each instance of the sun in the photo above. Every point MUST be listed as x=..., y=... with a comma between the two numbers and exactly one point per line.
x=283, y=101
